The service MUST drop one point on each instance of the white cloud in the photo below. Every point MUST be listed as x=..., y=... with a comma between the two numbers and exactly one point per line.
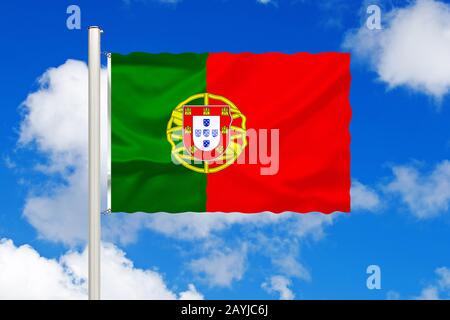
x=282, y=248
x=56, y=115
x=429, y=293
x=426, y=194
x=364, y=197
x=392, y=295
x=8, y=163
x=222, y=267
x=280, y=285
x=186, y=226
x=310, y=225
x=191, y=294
x=283, y=252
x=443, y=274
x=411, y=50
x=56, y=123
x=439, y=287
x=27, y=275
x=58, y=214
x=289, y=265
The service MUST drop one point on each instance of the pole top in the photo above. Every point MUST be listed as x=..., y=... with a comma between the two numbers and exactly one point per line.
x=95, y=27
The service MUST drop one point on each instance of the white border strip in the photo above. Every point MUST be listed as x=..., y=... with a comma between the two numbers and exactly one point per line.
x=108, y=128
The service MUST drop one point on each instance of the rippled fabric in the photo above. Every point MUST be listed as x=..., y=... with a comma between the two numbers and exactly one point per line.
x=304, y=96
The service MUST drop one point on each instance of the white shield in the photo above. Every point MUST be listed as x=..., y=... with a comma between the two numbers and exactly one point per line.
x=206, y=132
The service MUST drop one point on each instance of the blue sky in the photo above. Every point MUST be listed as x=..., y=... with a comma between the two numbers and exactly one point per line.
x=400, y=150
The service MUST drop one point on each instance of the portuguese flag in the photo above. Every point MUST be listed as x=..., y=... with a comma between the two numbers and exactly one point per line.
x=230, y=132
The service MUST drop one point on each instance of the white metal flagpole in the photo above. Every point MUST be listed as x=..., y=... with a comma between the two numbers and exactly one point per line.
x=94, y=163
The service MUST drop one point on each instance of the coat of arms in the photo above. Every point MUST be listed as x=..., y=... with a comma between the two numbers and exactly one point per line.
x=207, y=133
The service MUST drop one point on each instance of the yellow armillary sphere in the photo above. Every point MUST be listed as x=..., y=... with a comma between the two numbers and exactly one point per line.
x=207, y=133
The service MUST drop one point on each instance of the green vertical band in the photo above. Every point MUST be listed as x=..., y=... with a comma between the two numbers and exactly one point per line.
x=145, y=90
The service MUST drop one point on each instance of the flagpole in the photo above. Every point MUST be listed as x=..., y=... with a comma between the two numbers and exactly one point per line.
x=94, y=162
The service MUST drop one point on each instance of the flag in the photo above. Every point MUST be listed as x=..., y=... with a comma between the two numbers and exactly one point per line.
x=230, y=132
